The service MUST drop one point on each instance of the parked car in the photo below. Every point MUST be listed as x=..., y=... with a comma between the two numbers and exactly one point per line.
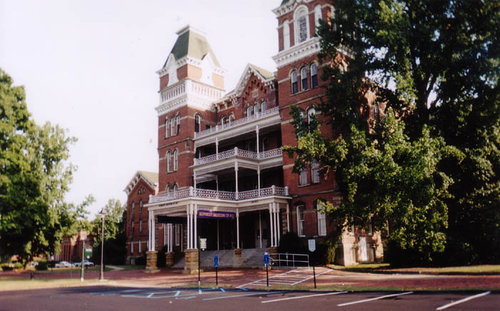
x=63, y=264
x=86, y=263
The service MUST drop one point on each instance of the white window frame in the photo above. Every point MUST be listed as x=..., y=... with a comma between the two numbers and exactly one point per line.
x=197, y=123
x=315, y=178
x=172, y=126
x=317, y=14
x=310, y=113
x=303, y=177
x=167, y=128
x=321, y=220
x=314, y=76
x=294, y=82
x=304, y=85
x=300, y=210
x=178, y=125
x=169, y=162
x=301, y=13
x=263, y=106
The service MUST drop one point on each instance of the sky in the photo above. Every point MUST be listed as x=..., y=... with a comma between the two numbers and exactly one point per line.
x=90, y=67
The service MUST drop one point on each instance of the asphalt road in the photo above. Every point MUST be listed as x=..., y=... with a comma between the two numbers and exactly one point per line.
x=120, y=298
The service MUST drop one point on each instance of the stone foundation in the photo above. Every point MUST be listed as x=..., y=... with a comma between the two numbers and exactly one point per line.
x=169, y=259
x=151, y=261
x=191, y=261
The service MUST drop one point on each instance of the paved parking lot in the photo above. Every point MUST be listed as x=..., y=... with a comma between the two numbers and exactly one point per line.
x=116, y=298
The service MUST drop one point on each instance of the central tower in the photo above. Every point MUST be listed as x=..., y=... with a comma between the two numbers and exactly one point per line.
x=190, y=81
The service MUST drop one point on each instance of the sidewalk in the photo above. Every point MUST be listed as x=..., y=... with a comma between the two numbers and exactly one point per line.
x=233, y=278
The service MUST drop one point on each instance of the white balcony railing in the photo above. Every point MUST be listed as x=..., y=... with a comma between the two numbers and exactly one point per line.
x=240, y=153
x=237, y=122
x=190, y=192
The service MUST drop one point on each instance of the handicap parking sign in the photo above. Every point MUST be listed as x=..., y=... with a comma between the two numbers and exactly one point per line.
x=266, y=258
x=216, y=261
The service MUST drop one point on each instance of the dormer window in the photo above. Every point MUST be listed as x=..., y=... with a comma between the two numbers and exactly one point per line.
x=301, y=25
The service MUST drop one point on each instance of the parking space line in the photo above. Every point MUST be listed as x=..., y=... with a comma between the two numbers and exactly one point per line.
x=305, y=296
x=245, y=295
x=463, y=300
x=373, y=299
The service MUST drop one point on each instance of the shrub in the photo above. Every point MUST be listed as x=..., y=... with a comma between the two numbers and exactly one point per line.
x=141, y=261
x=42, y=266
x=7, y=267
x=161, y=259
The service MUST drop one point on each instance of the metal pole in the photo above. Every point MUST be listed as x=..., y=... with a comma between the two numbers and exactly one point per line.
x=267, y=275
x=83, y=263
x=314, y=275
x=101, y=274
x=216, y=277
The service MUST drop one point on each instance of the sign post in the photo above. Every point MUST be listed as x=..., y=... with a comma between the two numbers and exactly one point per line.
x=266, y=263
x=216, y=265
x=83, y=262
x=312, y=247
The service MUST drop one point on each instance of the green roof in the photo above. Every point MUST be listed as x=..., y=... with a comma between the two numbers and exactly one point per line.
x=193, y=44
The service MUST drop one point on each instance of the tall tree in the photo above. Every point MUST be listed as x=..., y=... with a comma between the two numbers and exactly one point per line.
x=435, y=63
x=34, y=177
x=114, y=233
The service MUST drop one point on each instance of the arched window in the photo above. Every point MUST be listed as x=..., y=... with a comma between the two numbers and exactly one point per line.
x=169, y=162
x=301, y=25
x=197, y=123
x=263, y=106
x=178, y=124
x=222, y=121
x=249, y=111
x=172, y=126
x=256, y=109
x=317, y=14
x=286, y=35
x=176, y=160
x=311, y=114
x=315, y=172
x=295, y=85
x=303, y=78
x=231, y=118
x=167, y=128
x=314, y=76
x=303, y=177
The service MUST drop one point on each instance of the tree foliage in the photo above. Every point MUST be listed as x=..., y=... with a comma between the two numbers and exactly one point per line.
x=114, y=233
x=433, y=174
x=35, y=175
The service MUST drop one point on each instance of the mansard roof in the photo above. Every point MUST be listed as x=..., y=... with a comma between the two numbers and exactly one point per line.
x=191, y=42
x=150, y=178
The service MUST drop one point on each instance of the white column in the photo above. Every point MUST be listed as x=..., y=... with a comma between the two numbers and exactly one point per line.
x=195, y=218
x=258, y=178
x=288, y=218
x=237, y=228
x=188, y=231
x=271, y=224
x=171, y=242
x=277, y=217
x=153, y=233
x=194, y=182
x=258, y=147
x=149, y=231
x=236, y=178
x=217, y=148
x=260, y=228
x=165, y=234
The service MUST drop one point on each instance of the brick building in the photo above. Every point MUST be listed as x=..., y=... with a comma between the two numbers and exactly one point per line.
x=71, y=247
x=139, y=189
x=222, y=173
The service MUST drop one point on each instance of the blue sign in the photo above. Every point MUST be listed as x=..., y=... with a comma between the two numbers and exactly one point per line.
x=216, y=261
x=266, y=259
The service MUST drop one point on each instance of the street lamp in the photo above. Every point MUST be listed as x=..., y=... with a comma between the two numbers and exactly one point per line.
x=101, y=274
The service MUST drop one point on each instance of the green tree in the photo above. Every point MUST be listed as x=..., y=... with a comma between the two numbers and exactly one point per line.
x=435, y=63
x=35, y=175
x=114, y=233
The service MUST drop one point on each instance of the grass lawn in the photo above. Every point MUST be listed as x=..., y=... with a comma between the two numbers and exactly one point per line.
x=386, y=268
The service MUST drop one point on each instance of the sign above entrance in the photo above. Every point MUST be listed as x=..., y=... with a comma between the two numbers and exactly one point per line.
x=216, y=215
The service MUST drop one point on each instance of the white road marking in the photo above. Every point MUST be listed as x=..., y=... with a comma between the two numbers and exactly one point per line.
x=301, y=297
x=463, y=300
x=373, y=299
x=244, y=295
x=287, y=278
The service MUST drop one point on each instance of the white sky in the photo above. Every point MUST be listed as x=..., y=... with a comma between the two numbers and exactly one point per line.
x=90, y=66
